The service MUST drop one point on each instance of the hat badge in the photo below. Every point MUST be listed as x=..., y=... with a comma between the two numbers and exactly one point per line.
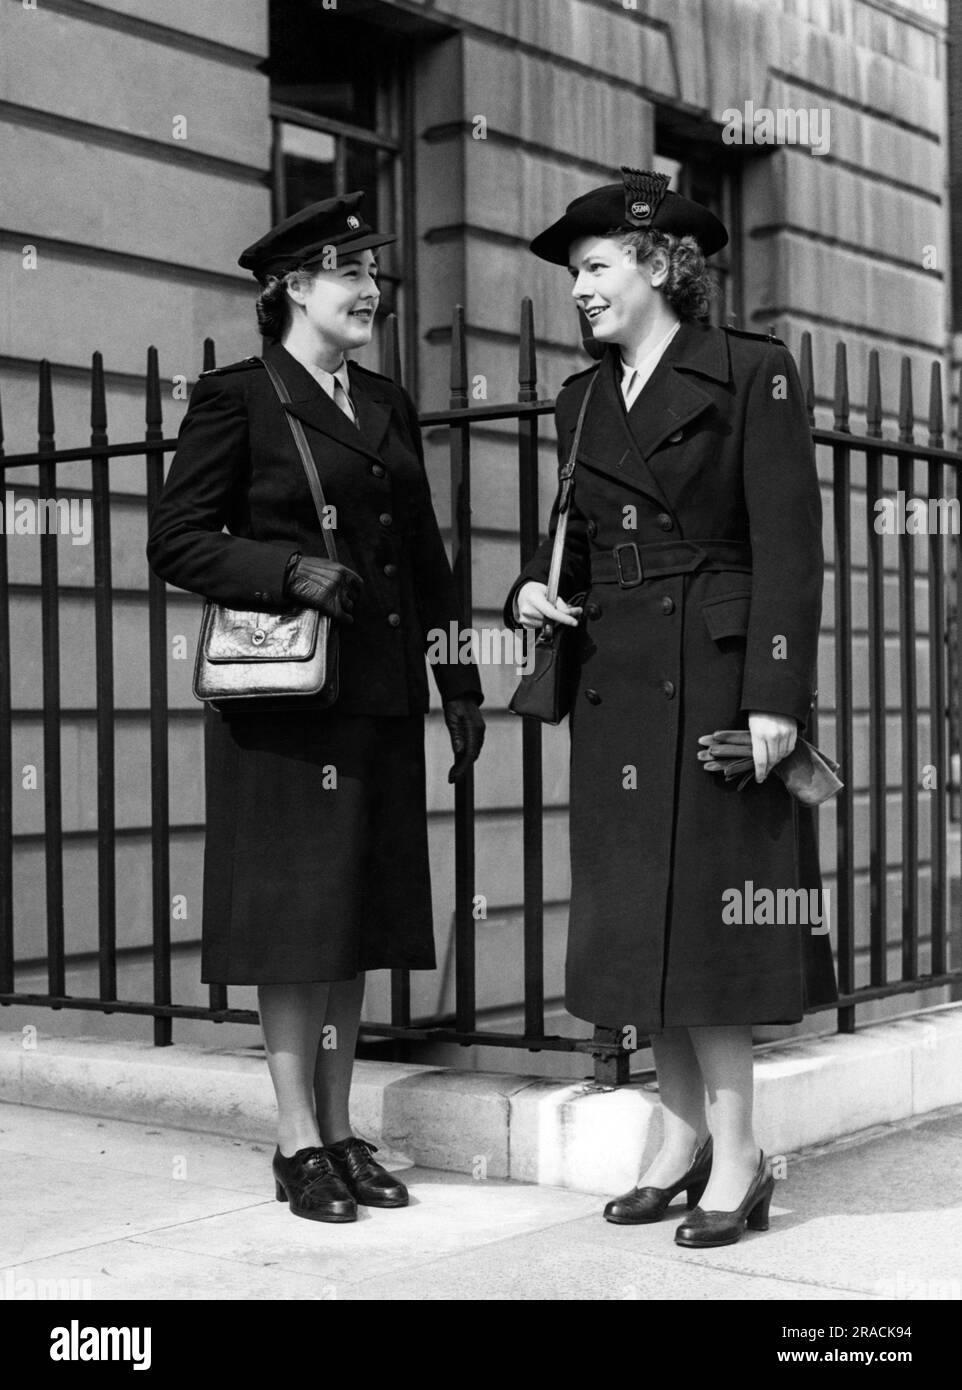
x=640, y=209
x=353, y=222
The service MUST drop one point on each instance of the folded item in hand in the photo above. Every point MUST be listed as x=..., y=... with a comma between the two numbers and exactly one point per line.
x=808, y=774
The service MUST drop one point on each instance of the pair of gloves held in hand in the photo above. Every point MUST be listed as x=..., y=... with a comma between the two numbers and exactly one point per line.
x=333, y=589
x=809, y=775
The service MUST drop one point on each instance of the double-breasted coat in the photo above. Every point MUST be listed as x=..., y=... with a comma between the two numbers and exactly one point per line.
x=708, y=609
x=316, y=859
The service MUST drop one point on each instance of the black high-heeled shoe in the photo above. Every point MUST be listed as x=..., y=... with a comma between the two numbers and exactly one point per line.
x=707, y=1228
x=645, y=1204
x=311, y=1186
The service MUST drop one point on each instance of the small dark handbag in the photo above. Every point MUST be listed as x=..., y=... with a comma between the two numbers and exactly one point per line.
x=244, y=653
x=546, y=691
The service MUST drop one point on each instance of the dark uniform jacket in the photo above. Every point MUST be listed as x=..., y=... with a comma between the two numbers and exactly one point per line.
x=236, y=505
x=677, y=641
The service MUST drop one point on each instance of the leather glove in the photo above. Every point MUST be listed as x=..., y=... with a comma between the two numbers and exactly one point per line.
x=466, y=728
x=808, y=774
x=325, y=585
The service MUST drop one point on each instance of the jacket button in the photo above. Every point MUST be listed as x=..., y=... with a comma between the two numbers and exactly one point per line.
x=592, y=697
x=665, y=522
x=377, y=470
x=394, y=619
x=667, y=604
x=390, y=571
x=669, y=689
x=593, y=610
x=385, y=518
x=592, y=529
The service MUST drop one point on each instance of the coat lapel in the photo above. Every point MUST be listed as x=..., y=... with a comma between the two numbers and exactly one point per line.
x=607, y=442
x=312, y=405
x=373, y=409
x=674, y=395
x=623, y=444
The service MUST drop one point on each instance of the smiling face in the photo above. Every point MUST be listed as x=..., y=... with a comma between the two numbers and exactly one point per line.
x=336, y=306
x=618, y=293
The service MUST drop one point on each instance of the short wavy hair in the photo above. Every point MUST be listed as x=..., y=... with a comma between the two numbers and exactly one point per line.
x=689, y=288
x=273, y=304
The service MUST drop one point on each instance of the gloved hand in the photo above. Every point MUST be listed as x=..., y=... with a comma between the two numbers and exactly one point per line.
x=325, y=585
x=466, y=728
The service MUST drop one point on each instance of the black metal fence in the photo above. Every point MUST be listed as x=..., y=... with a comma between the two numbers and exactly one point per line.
x=863, y=467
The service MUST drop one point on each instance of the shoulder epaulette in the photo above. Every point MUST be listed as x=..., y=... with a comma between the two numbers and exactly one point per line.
x=244, y=365
x=576, y=376
x=759, y=337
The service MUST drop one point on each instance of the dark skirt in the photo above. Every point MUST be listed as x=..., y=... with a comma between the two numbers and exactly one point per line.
x=316, y=857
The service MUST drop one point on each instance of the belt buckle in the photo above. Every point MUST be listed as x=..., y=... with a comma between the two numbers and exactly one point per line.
x=628, y=583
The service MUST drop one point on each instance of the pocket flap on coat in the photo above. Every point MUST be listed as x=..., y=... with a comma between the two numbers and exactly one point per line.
x=727, y=616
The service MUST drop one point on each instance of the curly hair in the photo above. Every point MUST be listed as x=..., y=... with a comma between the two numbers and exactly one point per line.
x=273, y=305
x=689, y=287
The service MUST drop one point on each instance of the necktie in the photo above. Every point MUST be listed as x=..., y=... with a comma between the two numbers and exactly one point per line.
x=343, y=401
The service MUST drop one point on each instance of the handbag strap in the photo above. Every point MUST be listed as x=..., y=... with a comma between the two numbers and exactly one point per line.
x=307, y=458
x=566, y=478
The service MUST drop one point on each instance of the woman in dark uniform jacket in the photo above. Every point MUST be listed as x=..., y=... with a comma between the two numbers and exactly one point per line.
x=695, y=530
x=316, y=858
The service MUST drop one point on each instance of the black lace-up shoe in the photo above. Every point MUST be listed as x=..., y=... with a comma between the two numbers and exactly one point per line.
x=370, y=1184
x=310, y=1185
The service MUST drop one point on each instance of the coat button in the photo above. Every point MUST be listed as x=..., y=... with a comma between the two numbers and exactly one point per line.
x=593, y=610
x=390, y=571
x=592, y=529
x=669, y=689
x=385, y=518
x=667, y=604
x=592, y=697
x=665, y=522
x=394, y=619
x=377, y=470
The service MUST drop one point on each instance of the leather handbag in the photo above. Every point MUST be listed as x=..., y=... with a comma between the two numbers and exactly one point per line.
x=546, y=691
x=244, y=653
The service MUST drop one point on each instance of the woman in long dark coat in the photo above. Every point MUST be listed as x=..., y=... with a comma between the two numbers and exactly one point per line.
x=316, y=858
x=694, y=536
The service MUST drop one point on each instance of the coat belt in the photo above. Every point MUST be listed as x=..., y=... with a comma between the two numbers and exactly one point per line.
x=630, y=564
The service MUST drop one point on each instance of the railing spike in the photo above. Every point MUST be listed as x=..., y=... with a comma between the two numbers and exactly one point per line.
x=906, y=408
x=873, y=404
x=841, y=389
x=45, y=427
x=154, y=415
x=98, y=396
x=936, y=416
x=459, y=361
x=391, y=350
x=527, y=360
x=807, y=375
x=210, y=355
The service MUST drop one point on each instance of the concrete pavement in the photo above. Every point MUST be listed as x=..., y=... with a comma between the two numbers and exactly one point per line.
x=118, y=1210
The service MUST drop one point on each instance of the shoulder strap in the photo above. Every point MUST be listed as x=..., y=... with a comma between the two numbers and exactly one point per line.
x=307, y=458
x=566, y=478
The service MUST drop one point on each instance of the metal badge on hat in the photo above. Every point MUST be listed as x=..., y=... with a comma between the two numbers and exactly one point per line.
x=353, y=222
x=644, y=191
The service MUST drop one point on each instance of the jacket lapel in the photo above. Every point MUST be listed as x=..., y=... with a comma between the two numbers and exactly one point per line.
x=623, y=444
x=312, y=405
x=608, y=444
x=373, y=409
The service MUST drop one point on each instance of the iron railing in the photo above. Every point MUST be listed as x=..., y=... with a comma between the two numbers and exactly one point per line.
x=861, y=469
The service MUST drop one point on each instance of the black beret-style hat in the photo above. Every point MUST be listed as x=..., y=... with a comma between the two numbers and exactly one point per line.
x=641, y=201
x=308, y=235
